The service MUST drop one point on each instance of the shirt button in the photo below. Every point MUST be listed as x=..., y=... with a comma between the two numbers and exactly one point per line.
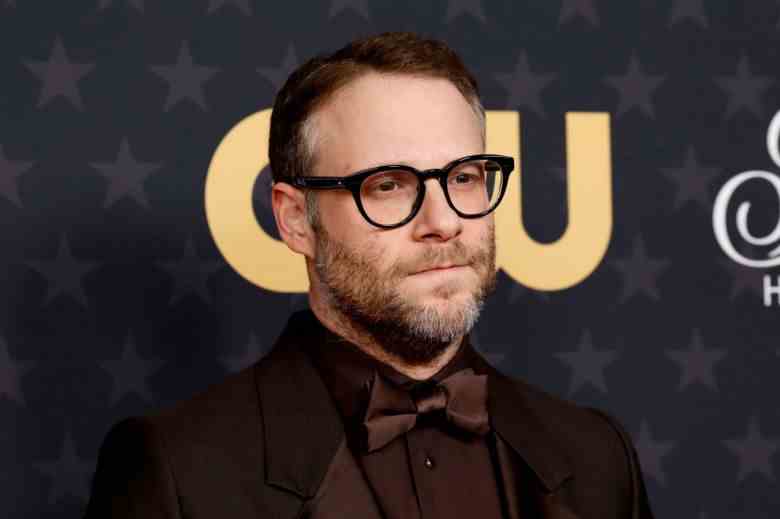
x=429, y=462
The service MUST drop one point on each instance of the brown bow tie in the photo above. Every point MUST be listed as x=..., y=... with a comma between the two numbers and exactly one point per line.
x=393, y=411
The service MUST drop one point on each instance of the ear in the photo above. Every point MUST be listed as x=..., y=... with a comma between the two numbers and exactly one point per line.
x=289, y=206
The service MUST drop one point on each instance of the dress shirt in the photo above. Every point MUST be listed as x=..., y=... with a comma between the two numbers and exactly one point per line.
x=432, y=471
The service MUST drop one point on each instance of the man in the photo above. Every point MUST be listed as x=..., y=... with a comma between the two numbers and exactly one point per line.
x=373, y=403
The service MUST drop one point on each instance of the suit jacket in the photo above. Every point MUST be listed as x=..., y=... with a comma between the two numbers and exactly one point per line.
x=268, y=442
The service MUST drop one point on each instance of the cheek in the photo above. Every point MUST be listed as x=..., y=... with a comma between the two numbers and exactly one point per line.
x=478, y=232
x=342, y=218
x=346, y=225
x=385, y=252
x=382, y=252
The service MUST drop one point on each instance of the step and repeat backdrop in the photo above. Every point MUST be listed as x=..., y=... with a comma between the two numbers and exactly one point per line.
x=638, y=246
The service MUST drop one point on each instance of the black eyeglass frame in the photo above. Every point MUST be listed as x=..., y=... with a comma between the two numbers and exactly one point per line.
x=354, y=181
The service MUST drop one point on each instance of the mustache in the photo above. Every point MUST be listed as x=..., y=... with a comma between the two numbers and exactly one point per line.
x=457, y=254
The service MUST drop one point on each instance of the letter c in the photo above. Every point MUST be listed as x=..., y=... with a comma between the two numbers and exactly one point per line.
x=240, y=157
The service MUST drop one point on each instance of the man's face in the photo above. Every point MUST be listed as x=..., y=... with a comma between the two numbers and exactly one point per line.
x=373, y=276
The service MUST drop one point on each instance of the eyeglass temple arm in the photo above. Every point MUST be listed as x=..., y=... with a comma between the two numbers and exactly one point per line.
x=319, y=182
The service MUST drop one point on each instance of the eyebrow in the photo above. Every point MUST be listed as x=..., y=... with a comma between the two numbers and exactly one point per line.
x=351, y=170
x=382, y=163
x=397, y=162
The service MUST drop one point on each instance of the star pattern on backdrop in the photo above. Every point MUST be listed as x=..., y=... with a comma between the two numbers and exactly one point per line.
x=651, y=453
x=688, y=10
x=743, y=279
x=744, y=90
x=60, y=76
x=137, y=4
x=126, y=176
x=83, y=81
x=635, y=88
x=640, y=272
x=278, y=75
x=70, y=475
x=254, y=351
x=241, y=5
x=64, y=273
x=456, y=8
x=693, y=181
x=754, y=452
x=357, y=6
x=523, y=87
x=191, y=274
x=10, y=171
x=587, y=364
x=185, y=79
x=696, y=363
x=571, y=9
x=130, y=373
x=11, y=373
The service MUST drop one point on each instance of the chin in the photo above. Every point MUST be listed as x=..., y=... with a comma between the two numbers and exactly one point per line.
x=445, y=303
x=456, y=315
x=428, y=297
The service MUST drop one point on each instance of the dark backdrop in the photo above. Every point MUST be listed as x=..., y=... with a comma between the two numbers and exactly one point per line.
x=114, y=299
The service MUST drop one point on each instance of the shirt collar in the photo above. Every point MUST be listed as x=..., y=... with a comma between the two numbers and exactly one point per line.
x=347, y=370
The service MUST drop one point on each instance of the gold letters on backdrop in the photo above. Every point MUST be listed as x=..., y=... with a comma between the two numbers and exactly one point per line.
x=268, y=263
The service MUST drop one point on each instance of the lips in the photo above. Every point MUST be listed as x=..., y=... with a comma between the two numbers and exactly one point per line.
x=439, y=267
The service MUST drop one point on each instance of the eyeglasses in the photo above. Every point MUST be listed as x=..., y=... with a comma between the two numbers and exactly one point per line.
x=390, y=196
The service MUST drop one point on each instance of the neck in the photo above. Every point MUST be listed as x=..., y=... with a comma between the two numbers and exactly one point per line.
x=337, y=323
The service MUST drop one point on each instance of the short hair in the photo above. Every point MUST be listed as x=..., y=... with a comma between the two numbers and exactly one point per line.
x=292, y=145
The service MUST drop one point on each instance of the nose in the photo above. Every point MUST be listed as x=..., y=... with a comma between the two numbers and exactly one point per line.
x=436, y=220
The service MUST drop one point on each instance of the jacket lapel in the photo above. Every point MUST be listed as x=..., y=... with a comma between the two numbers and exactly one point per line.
x=304, y=441
x=532, y=466
x=301, y=425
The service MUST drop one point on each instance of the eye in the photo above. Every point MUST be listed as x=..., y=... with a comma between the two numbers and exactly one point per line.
x=390, y=183
x=466, y=178
x=386, y=186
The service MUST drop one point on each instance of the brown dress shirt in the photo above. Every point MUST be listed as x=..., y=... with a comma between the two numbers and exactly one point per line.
x=427, y=472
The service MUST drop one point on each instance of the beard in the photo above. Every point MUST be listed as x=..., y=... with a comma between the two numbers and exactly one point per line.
x=409, y=330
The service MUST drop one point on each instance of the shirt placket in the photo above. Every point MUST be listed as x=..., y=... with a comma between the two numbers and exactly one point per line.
x=425, y=469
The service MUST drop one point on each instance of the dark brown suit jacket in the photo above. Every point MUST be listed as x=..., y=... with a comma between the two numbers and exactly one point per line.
x=268, y=442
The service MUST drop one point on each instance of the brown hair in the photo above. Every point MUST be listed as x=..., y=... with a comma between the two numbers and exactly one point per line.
x=291, y=143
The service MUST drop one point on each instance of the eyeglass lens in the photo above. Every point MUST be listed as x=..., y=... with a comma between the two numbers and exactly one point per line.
x=474, y=187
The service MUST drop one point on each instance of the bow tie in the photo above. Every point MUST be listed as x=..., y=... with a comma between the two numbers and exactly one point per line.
x=393, y=411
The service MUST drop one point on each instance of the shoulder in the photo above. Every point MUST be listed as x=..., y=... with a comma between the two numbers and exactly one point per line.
x=218, y=427
x=221, y=424
x=597, y=447
x=224, y=412
x=203, y=453
x=577, y=424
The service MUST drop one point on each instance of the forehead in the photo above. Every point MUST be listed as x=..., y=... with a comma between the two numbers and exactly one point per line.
x=381, y=118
